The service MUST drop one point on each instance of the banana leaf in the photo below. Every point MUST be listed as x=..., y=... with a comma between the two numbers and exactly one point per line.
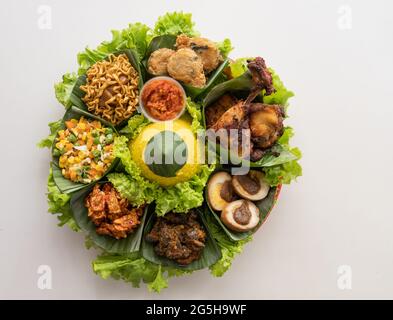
x=109, y=244
x=210, y=255
x=169, y=42
x=240, y=84
x=77, y=94
x=265, y=206
x=65, y=185
x=278, y=154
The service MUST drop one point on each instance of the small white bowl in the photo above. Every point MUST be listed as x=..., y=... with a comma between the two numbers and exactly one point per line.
x=142, y=109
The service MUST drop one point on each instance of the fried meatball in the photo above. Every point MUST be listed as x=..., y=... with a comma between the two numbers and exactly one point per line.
x=207, y=50
x=186, y=66
x=158, y=61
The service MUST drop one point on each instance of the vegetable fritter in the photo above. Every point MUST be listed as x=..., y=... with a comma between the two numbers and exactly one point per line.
x=207, y=50
x=186, y=66
x=158, y=61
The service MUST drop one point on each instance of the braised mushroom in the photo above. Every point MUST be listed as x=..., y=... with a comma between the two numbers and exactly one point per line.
x=240, y=215
x=220, y=191
x=251, y=186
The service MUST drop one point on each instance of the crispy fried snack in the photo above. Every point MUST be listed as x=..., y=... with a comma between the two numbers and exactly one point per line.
x=207, y=50
x=112, y=214
x=186, y=66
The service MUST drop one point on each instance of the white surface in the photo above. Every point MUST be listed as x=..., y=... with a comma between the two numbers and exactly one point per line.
x=339, y=212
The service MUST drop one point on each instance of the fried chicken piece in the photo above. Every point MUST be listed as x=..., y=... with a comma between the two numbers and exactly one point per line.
x=261, y=77
x=266, y=124
x=186, y=66
x=207, y=50
x=178, y=237
x=158, y=61
x=218, y=108
x=112, y=215
x=232, y=118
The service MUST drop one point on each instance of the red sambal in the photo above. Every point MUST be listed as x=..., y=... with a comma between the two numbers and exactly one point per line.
x=163, y=99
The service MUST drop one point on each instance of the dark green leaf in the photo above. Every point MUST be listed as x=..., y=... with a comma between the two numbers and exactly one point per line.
x=109, y=244
x=242, y=83
x=278, y=154
x=166, y=41
x=210, y=255
x=166, y=153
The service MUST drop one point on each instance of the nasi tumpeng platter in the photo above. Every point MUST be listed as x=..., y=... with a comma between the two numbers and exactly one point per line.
x=170, y=154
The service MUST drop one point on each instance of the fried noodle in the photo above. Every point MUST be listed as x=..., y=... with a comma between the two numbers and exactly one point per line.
x=112, y=89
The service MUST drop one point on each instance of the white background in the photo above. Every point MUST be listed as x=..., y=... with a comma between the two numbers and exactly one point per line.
x=338, y=213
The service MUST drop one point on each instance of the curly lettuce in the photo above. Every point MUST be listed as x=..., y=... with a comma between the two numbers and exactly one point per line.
x=135, y=269
x=48, y=141
x=288, y=171
x=59, y=204
x=64, y=88
x=225, y=47
x=281, y=95
x=137, y=36
x=195, y=111
x=175, y=23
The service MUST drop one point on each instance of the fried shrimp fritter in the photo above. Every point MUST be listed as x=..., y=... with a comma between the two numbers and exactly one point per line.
x=206, y=49
x=186, y=66
x=158, y=61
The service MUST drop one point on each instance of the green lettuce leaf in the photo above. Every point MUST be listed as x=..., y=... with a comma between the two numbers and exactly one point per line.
x=175, y=23
x=238, y=67
x=131, y=186
x=185, y=195
x=281, y=95
x=135, y=269
x=48, y=141
x=64, y=88
x=225, y=47
x=288, y=171
x=229, y=248
x=134, y=126
x=195, y=111
x=136, y=36
x=59, y=204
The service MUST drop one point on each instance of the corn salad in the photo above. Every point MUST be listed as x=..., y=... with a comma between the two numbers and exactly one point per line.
x=85, y=150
